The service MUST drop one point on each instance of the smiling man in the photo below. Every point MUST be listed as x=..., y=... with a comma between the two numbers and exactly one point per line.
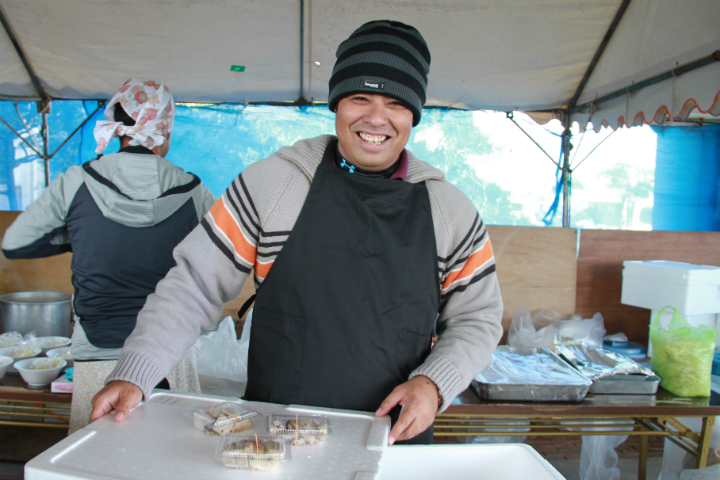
x=361, y=253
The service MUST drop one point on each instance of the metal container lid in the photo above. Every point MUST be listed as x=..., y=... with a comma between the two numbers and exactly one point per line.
x=36, y=297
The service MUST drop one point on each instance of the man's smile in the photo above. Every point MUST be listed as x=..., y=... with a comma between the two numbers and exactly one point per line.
x=372, y=139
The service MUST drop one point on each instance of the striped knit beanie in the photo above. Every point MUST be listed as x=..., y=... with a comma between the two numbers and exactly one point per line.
x=384, y=57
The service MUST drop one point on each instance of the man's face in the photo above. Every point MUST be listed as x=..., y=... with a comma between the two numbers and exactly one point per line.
x=372, y=130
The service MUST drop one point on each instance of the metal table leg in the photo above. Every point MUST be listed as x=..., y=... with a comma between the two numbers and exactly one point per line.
x=704, y=443
x=642, y=461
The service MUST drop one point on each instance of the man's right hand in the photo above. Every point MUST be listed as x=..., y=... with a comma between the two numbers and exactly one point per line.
x=119, y=396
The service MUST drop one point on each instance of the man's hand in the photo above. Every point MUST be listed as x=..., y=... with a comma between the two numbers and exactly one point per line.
x=419, y=398
x=120, y=396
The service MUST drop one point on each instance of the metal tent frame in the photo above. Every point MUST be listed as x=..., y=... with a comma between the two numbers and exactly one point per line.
x=564, y=113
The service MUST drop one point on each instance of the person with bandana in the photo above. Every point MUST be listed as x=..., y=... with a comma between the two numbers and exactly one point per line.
x=361, y=252
x=121, y=216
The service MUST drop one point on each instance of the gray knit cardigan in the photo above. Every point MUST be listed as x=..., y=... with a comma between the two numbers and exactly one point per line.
x=245, y=230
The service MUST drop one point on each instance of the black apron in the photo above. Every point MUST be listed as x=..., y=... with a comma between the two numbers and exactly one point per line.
x=347, y=310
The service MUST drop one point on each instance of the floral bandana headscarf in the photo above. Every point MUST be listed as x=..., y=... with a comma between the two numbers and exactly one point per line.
x=152, y=107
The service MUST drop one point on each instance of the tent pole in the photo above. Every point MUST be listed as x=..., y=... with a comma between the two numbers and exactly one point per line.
x=301, y=99
x=510, y=116
x=599, y=52
x=45, y=104
x=34, y=149
x=688, y=67
x=566, y=172
x=21, y=54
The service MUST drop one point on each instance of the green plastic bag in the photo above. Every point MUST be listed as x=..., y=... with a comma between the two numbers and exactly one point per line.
x=682, y=355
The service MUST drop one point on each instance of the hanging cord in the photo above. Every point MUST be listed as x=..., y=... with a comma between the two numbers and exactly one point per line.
x=552, y=211
x=577, y=149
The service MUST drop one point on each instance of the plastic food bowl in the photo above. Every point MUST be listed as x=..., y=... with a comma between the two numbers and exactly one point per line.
x=40, y=377
x=12, y=352
x=5, y=362
x=48, y=343
x=62, y=352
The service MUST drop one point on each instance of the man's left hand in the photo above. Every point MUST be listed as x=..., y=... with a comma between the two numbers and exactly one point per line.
x=419, y=398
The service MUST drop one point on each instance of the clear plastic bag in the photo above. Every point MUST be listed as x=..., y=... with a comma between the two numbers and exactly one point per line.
x=598, y=458
x=682, y=355
x=10, y=338
x=540, y=329
x=709, y=473
x=222, y=355
x=523, y=426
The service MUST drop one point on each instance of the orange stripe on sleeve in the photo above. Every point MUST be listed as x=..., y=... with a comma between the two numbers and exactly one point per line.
x=262, y=269
x=471, y=264
x=224, y=221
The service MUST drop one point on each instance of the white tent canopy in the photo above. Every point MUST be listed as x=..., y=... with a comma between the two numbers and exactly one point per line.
x=503, y=55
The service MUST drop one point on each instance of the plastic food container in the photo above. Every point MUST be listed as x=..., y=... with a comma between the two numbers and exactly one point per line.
x=222, y=419
x=62, y=352
x=38, y=372
x=48, y=343
x=9, y=339
x=19, y=352
x=300, y=429
x=5, y=362
x=264, y=453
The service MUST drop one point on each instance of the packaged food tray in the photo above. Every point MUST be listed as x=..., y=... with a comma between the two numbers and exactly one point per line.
x=224, y=418
x=253, y=452
x=302, y=430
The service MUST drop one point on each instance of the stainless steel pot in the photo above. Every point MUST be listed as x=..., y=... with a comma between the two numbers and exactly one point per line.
x=48, y=313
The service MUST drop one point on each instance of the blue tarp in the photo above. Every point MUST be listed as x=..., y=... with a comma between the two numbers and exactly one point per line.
x=687, y=168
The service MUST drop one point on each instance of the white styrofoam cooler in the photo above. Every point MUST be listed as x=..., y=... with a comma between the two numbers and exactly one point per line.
x=694, y=290
x=496, y=461
x=158, y=441
x=691, y=289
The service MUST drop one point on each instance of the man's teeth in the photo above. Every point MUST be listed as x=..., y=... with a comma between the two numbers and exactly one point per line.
x=373, y=139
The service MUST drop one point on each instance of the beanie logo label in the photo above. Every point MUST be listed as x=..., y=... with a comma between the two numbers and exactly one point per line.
x=373, y=85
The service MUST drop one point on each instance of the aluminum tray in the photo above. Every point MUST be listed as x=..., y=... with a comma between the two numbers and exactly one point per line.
x=530, y=374
x=627, y=385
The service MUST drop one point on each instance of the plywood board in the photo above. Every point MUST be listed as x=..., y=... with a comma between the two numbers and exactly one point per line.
x=40, y=274
x=600, y=265
x=536, y=267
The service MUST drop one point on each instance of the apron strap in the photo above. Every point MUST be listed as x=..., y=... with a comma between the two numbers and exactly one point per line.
x=246, y=306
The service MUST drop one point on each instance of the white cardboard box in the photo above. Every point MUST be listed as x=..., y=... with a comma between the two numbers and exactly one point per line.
x=691, y=289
